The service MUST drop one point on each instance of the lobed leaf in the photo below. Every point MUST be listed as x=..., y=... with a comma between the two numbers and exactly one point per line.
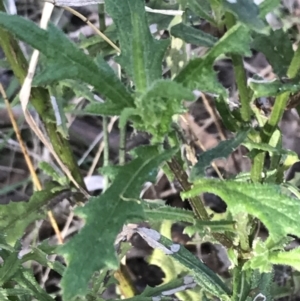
x=65, y=60
x=278, y=212
x=199, y=74
x=93, y=248
x=141, y=55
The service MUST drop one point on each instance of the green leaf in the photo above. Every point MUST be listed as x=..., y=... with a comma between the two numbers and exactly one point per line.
x=54, y=174
x=222, y=150
x=141, y=55
x=291, y=258
x=293, y=157
x=138, y=298
x=107, y=108
x=177, y=284
x=57, y=105
x=260, y=258
x=93, y=248
x=25, y=279
x=263, y=201
x=277, y=47
x=170, y=267
x=15, y=217
x=267, y=6
x=161, y=21
x=263, y=283
x=206, y=227
x=79, y=89
x=65, y=60
x=160, y=213
x=193, y=36
x=229, y=120
x=247, y=12
x=167, y=89
x=39, y=256
x=272, y=88
x=202, y=9
x=4, y=245
x=157, y=106
x=10, y=266
x=12, y=292
x=3, y=295
x=206, y=278
x=199, y=74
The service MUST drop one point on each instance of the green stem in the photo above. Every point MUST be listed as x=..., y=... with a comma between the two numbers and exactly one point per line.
x=106, y=149
x=259, y=159
x=295, y=64
x=276, y=115
x=196, y=202
x=102, y=27
x=257, y=167
x=40, y=100
x=281, y=100
x=122, y=148
x=240, y=282
x=240, y=76
x=101, y=14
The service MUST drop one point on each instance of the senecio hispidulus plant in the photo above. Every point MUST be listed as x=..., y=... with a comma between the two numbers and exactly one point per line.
x=152, y=102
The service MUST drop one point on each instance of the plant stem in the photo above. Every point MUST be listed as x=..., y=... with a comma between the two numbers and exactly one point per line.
x=240, y=76
x=295, y=64
x=122, y=147
x=102, y=27
x=257, y=167
x=40, y=100
x=240, y=283
x=281, y=100
x=259, y=159
x=245, y=98
x=195, y=202
x=101, y=14
x=105, y=149
x=276, y=115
